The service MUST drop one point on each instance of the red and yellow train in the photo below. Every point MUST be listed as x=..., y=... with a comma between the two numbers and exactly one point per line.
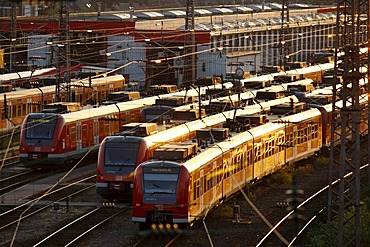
x=180, y=191
x=120, y=155
x=22, y=102
x=50, y=140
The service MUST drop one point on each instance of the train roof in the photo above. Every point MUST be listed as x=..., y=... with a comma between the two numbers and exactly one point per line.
x=24, y=93
x=24, y=74
x=221, y=11
x=275, y=6
x=166, y=135
x=315, y=68
x=149, y=15
x=202, y=12
x=129, y=105
x=241, y=9
x=213, y=151
x=259, y=7
x=174, y=13
x=117, y=16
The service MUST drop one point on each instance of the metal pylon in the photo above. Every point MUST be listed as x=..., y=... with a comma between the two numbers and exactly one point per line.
x=189, y=73
x=63, y=51
x=348, y=122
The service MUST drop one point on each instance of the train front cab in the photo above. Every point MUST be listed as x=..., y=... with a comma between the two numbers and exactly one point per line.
x=117, y=159
x=161, y=192
x=40, y=141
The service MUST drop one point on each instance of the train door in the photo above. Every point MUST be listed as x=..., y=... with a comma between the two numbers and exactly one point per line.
x=79, y=141
x=96, y=132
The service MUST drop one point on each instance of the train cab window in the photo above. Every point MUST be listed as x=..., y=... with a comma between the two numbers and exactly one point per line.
x=160, y=184
x=121, y=154
x=40, y=127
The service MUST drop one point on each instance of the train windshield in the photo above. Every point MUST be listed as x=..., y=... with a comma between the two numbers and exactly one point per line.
x=121, y=154
x=160, y=184
x=41, y=126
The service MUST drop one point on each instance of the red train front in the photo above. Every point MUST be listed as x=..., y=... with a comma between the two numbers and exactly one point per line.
x=161, y=194
x=118, y=157
x=41, y=141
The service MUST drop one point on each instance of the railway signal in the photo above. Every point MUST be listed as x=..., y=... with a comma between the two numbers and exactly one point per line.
x=294, y=200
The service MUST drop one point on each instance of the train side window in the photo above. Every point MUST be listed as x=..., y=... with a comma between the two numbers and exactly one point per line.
x=34, y=108
x=209, y=181
x=24, y=109
x=305, y=137
x=106, y=127
x=204, y=184
x=266, y=149
x=196, y=189
x=84, y=132
x=14, y=110
x=289, y=142
x=73, y=136
x=90, y=130
x=257, y=153
x=233, y=165
x=314, y=131
x=101, y=127
x=219, y=174
x=226, y=171
x=96, y=128
x=19, y=110
x=249, y=157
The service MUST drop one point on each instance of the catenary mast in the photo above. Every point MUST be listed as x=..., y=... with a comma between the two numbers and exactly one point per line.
x=344, y=199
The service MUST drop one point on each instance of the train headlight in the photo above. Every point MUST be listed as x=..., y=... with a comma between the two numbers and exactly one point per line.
x=23, y=148
x=53, y=149
x=181, y=205
x=138, y=204
x=101, y=177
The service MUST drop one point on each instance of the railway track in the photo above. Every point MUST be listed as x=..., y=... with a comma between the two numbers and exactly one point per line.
x=75, y=230
x=157, y=240
x=11, y=216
